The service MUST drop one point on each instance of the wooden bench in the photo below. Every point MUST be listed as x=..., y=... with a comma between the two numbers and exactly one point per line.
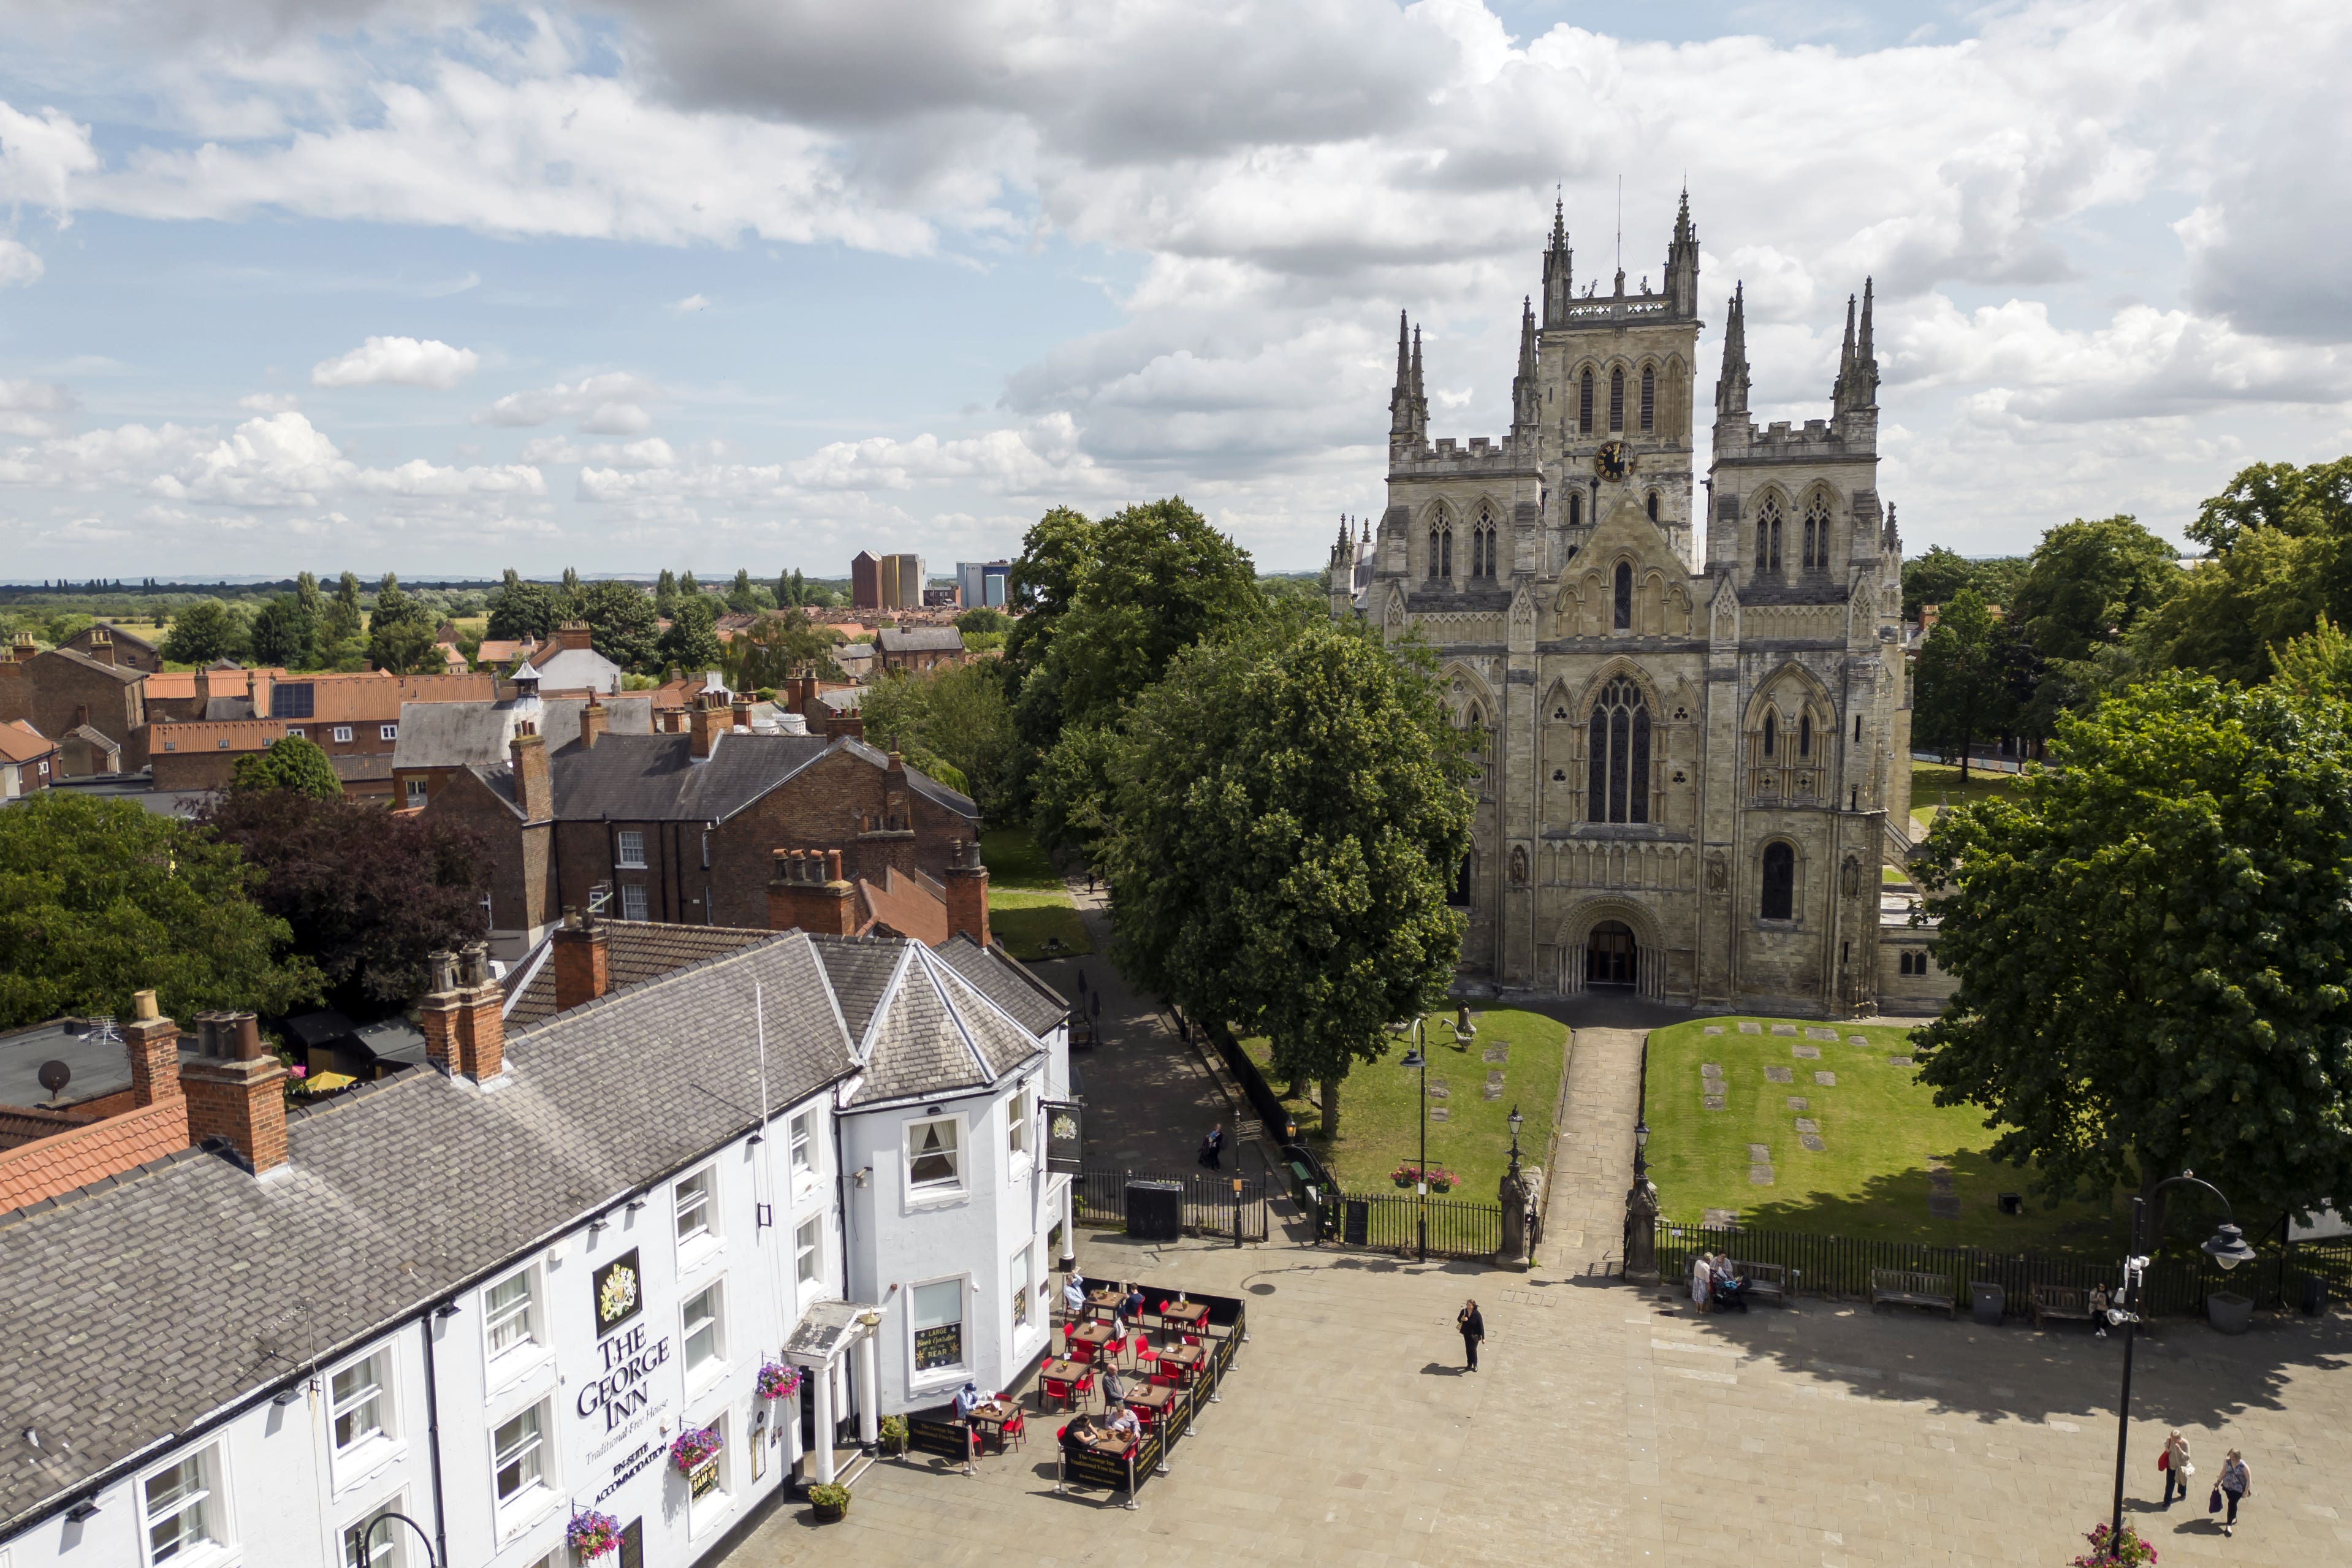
x=1906, y=1289
x=2061, y=1301
x=1766, y=1281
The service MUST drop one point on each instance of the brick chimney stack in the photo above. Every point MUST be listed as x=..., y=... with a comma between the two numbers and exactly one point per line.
x=809, y=893
x=967, y=889
x=706, y=718
x=534, y=786
x=464, y=1017
x=591, y=724
x=21, y=650
x=101, y=645
x=894, y=796
x=583, y=960
x=740, y=711
x=237, y=1092
x=573, y=634
x=153, y=1042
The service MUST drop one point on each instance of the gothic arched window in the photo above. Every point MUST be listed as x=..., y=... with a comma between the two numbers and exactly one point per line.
x=1780, y=902
x=1616, y=400
x=1805, y=734
x=1575, y=509
x=1771, y=732
x=1622, y=609
x=1584, y=403
x=1617, y=765
x=1649, y=395
x=1768, y=536
x=1482, y=546
x=1654, y=506
x=1440, y=547
x=1817, y=535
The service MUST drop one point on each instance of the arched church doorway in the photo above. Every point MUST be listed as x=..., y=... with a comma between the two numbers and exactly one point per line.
x=1609, y=956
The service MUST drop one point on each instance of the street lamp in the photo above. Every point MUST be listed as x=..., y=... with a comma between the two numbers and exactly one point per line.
x=1515, y=1119
x=1641, y=1141
x=2226, y=1246
x=1418, y=1058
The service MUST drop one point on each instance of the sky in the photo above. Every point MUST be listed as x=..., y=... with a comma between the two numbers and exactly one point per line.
x=440, y=287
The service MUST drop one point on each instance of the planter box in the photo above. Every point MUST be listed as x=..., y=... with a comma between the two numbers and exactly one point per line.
x=2229, y=1313
x=828, y=1515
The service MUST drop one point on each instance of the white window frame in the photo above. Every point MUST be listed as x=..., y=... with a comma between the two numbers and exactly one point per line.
x=714, y=1363
x=211, y=1502
x=695, y=1224
x=634, y=906
x=808, y=1250
x=387, y=732
x=397, y=1554
x=703, y=1511
x=940, y=1376
x=532, y=1496
x=294, y=733
x=371, y=1400
x=534, y=1338
x=1023, y=1271
x=414, y=791
x=629, y=848
x=953, y=1187
x=1020, y=1123
x=342, y=733
x=801, y=1137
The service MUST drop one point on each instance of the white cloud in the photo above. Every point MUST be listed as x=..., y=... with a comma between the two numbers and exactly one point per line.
x=267, y=402
x=40, y=154
x=607, y=405
x=653, y=452
x=690, y=304
x=18, y=264
x=33, y=407
x=397, y=362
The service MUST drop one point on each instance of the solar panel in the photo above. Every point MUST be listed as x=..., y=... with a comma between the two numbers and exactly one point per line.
x=292, y=701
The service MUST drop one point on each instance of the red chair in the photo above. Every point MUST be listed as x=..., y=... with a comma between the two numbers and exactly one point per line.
x=1111, y=1349
x=1053, y=1388
x=1085, y=1387
x=1014, y=1431
x=1168, y=1379
x=1082, y=1351
x=1147, y=1360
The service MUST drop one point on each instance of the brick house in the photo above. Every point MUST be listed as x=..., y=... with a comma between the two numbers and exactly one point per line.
x=112, y=645
x=438, y=740
x=28, y=759
x=682, y=827
x=203, y=754
x=62, y=690
x=128, y=1104
x=912, y=649
x=569, y=663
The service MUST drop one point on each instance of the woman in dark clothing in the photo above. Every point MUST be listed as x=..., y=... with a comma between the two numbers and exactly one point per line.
x=1473, y=1329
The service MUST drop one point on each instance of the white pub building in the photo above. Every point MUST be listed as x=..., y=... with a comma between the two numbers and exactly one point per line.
x=571, y=1273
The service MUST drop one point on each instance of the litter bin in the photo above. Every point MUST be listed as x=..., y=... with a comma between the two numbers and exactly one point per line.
x=2314, y=1295
x=1155, y=1210
x=2229, y=1312
x=1985, y=1299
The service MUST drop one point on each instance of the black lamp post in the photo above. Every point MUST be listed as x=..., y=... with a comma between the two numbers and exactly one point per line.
x=1418, y=1058
x=1515, y=1118
x=1641, y=1141
x=2226, y=1246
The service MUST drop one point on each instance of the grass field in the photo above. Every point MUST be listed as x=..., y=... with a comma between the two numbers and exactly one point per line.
x=1933, y=783
x=1028, y=904
x=1380, y=1104
x=1879, y=1126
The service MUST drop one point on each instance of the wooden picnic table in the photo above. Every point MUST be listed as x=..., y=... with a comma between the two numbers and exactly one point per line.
x=1150, y=1397
x=1106, y=1300
x=1186, y=1358
x=1191, y=1315
x=1095, y=1334
x=1059, y=1371
x=992, y=1418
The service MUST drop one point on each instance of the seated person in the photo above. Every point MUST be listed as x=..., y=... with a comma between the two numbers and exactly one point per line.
x=1123, y=1425
x=1074, y=1295
x=1080, y=1433
x=966, y=1399
x=1134, y=1304
x=1729, y=1288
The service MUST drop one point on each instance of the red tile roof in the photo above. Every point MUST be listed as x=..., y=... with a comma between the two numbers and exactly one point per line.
x=216, y=735
x=68, y=1160
x=20, y=743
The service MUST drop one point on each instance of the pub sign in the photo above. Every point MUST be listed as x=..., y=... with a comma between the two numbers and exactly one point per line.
x=1064, y=1135
x=620, y=1288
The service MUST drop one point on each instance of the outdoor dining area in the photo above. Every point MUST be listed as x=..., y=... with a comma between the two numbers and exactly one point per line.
x=1128, y=1366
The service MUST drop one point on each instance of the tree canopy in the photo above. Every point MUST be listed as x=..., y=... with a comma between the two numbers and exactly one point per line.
x=289, y=762
x=2148, y=948
x=282, y=632
x=690, y=644
x=205, y=631
x=956, y=716
x=1974, y=673
x=101, y=898
x=777, y=646
x=520, y=610
x=1288, y=806
x=621, y=625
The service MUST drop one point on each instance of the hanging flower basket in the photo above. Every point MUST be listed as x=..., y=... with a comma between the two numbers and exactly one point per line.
x=1442, y=1181
x=778, y=1381
x=694, y=1448
x=1405, y=1175
x=591, y=1534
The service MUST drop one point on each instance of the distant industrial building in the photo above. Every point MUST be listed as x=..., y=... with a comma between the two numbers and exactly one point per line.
x=885, y=582
x=983, y=583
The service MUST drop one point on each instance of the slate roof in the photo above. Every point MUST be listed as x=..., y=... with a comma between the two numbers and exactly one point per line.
x=935, y=1034
x=472, y=734
x=133, y=1308
x=635, y=951
x=1007, y=982
x=655, y=778
x=860, y=971
x=122, y=673
x=920, y=639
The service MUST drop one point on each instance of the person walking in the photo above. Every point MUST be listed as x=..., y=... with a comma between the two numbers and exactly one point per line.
x=1212, y=1147
x=1701, y=1271
x=1473, y=1329
x=2099, y=1308
x=2174, y=1463
x=2237, y=1485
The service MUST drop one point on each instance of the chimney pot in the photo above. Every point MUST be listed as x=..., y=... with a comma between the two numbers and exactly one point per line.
x=143, y=1007
x=235, y=1092
x=583, y=960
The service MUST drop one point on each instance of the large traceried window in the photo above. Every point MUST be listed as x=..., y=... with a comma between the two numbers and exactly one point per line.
x=1779, y=901
x=1768, y=536
x=1584, y=403
x=1649, y=396
x=1616, y=400
x=1440, y=547
x=1617, y=740
x=1817, y=535
x=1481, y=544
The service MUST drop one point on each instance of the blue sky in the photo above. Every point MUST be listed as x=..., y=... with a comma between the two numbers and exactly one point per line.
x=431, y=287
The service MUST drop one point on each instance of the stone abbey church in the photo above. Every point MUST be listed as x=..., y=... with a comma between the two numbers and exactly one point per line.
x=1693, y=717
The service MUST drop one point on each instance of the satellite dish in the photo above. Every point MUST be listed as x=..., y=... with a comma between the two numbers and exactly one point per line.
x=55, y=1076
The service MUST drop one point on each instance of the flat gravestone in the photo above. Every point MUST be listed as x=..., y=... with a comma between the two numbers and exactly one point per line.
x=1439, y=1113
x=1806, y=1053
x=1496, y=1053
x=1491, y=1091
x=1714, y=1029
x=1857, y=1039
x=1807, y=1124
x=1943, y=1206
x=1438, y=1090
x=1721, y=1219
x=1760, y=1175
x=1779, y=1075
x=1798, y=1102
x=1710, y=1069
x=1826, y=1079
x=1820, y=1033
x=1494, y=1075
x=1759, y=1153
x=1715, y=1102
x=1898, y=1061
x=1812, y=1142
x=1751, y=1028
x=1784, y=1028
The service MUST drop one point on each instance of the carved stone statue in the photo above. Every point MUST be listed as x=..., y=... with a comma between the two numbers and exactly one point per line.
x=1719, y=872
x=1641, y=1232
x=1513, y=1194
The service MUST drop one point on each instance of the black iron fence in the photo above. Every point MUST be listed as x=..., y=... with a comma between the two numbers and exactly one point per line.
x=2171, y=1285
x=1392, y=1222
x=1211, y=1205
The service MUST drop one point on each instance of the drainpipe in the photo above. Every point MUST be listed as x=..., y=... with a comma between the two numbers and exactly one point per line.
x=433, y=1433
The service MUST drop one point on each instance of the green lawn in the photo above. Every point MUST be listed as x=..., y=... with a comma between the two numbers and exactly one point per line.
x=1933, y=783
x=1879, y=1126
x=1027, y=903
x=1380, y=1104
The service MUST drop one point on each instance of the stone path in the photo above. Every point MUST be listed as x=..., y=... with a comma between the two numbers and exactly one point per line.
x=1584, y=1228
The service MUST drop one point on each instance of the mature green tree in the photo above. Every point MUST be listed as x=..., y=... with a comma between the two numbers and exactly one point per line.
x=2318, y=664
x=1055, y=555
x=100, y=899
x=282, y=632
x=1962, y=693
x=687, y=585
x=956, y=716
x=205, y=631
x=692, y=642
x=1936, y=578
x=777, y=646
x=791, y=588
x=982, y=619
x=306, y=591
x=292, y=762
x=521, y=610
x=665, y=593
x=621, y=625
x=405, y=647
x=394, y=605
x=2231, y=609
x=336, y=628
x=2087, y=583
x=2148, y=944
x=2313, y=502
x=745, y=598
x=1289, y=808
x=370, y=896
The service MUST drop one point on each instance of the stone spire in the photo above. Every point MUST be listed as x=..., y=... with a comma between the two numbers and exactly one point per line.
x=1400, y=400
x=1559, y=269
x=1682, y=261
x=1845, y=361
x=1732, y=387
x=1866, y=359
x=1420, y=395
x=1524, y=393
